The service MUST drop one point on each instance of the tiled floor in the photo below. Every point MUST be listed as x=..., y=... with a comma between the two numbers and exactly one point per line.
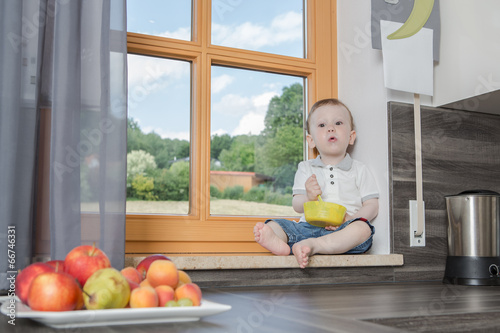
x=388, y=307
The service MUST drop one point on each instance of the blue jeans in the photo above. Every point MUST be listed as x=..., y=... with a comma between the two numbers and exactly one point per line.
x=303, y=230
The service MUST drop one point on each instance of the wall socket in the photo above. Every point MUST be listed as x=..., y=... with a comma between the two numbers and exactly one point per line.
x=414, y=240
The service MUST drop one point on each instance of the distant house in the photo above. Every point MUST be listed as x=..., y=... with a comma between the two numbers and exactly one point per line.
x=223, y=179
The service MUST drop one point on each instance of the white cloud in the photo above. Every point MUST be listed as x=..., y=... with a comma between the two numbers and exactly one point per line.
x=219, y=132
x=251, y=123
x=252, y=111
x=232, y=105
x=261, y=102
x=181, y=33
x=166, y=134
x=283, y=28
x=147, y=75
x=221, y=82
x=237, y=105
x=151, y=73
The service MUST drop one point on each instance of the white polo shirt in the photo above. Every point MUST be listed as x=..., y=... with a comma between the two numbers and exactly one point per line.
x=349, y=183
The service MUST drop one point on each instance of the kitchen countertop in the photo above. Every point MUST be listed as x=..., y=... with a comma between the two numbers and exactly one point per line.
x=382, y=307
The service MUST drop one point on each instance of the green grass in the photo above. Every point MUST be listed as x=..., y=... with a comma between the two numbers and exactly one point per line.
x=218, y=207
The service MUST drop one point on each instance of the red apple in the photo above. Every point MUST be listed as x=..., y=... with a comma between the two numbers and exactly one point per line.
x=84, y=260
x=24, y=279
x=144, y=264
x=54, y=291
x=57, y=264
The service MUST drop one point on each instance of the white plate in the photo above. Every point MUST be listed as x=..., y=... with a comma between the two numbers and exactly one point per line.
x=88, y=318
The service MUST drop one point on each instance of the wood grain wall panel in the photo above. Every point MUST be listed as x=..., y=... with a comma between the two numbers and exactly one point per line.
x=285, y=276
x=460, y=151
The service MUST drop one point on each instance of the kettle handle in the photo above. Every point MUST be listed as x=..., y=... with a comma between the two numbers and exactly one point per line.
x=479, y=192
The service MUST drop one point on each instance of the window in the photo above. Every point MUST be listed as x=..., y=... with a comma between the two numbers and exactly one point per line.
x=256, y=141
x=158, y=135
x=204, y=116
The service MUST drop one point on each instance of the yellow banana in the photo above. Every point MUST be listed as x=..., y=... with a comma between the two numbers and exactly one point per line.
x=419, y=15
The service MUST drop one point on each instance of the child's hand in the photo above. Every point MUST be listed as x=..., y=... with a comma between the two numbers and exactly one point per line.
x=331, y=227
x=347, y=217
x=312, y=188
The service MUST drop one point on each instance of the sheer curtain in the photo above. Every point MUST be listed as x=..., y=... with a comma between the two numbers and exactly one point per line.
x=63, y=118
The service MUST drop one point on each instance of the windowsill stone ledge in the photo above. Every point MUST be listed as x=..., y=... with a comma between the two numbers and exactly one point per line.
x=263, y=261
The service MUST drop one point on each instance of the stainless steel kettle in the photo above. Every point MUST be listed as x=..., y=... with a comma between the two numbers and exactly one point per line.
x=473, y=238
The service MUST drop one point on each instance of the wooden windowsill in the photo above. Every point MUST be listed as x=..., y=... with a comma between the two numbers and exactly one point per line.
x=216, y=261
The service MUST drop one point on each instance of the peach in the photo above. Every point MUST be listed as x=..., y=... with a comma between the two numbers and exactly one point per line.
x=143, y=297
x=162, y=272
x=132, y=274
x=189, y=290
x=143, y=265
x=183, y=278
x=165, y=294
x=145, y=283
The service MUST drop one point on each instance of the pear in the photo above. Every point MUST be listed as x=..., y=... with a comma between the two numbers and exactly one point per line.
x=107, y=288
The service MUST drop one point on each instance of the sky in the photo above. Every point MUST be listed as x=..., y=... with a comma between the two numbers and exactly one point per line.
x=159, y=89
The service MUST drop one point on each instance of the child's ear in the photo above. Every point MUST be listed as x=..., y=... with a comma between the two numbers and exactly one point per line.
x=310, y=141
x=352, y=137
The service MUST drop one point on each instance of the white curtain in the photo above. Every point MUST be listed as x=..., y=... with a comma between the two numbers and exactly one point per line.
x=63, y=60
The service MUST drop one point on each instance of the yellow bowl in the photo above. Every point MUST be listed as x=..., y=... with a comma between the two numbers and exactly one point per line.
x=321, y=214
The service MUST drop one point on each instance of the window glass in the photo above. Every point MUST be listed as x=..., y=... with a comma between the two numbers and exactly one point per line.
x=256, y=141
x=159, y=94
x=165, y=18
x=275, y=26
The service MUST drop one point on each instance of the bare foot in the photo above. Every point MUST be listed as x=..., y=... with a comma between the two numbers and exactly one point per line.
x=302, y=251
x=266, y=237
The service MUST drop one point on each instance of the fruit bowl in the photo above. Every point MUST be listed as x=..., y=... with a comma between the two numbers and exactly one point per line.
x=321, y=214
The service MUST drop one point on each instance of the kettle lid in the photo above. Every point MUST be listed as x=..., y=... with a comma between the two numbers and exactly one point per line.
x=475, y=192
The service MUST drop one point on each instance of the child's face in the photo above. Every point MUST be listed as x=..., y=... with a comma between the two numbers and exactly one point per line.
x=331, y=132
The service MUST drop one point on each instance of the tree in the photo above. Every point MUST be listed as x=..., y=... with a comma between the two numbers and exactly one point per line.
x=281, y=148
x=218, y=144
x=165, y=151
x=241, y=155
x=139, y=162
x=281, y=154
x=285, y=110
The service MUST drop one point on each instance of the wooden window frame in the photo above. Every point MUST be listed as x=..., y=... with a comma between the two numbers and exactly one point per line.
x=199, y=232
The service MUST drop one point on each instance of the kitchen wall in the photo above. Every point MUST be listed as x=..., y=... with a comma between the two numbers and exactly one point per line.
x=468, y=67
x=461, y=151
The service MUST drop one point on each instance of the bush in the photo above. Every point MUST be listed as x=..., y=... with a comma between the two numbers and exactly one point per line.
x=139, y=162
x=172, y=184
x=256, y=194
x=143, y=187
x=233, y=193
x=279, y=199
x=215, y=192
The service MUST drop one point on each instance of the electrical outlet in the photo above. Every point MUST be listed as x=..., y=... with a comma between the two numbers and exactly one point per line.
x=414, y=240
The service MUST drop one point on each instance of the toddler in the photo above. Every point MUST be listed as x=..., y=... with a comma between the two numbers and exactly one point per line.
x=337, y=178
